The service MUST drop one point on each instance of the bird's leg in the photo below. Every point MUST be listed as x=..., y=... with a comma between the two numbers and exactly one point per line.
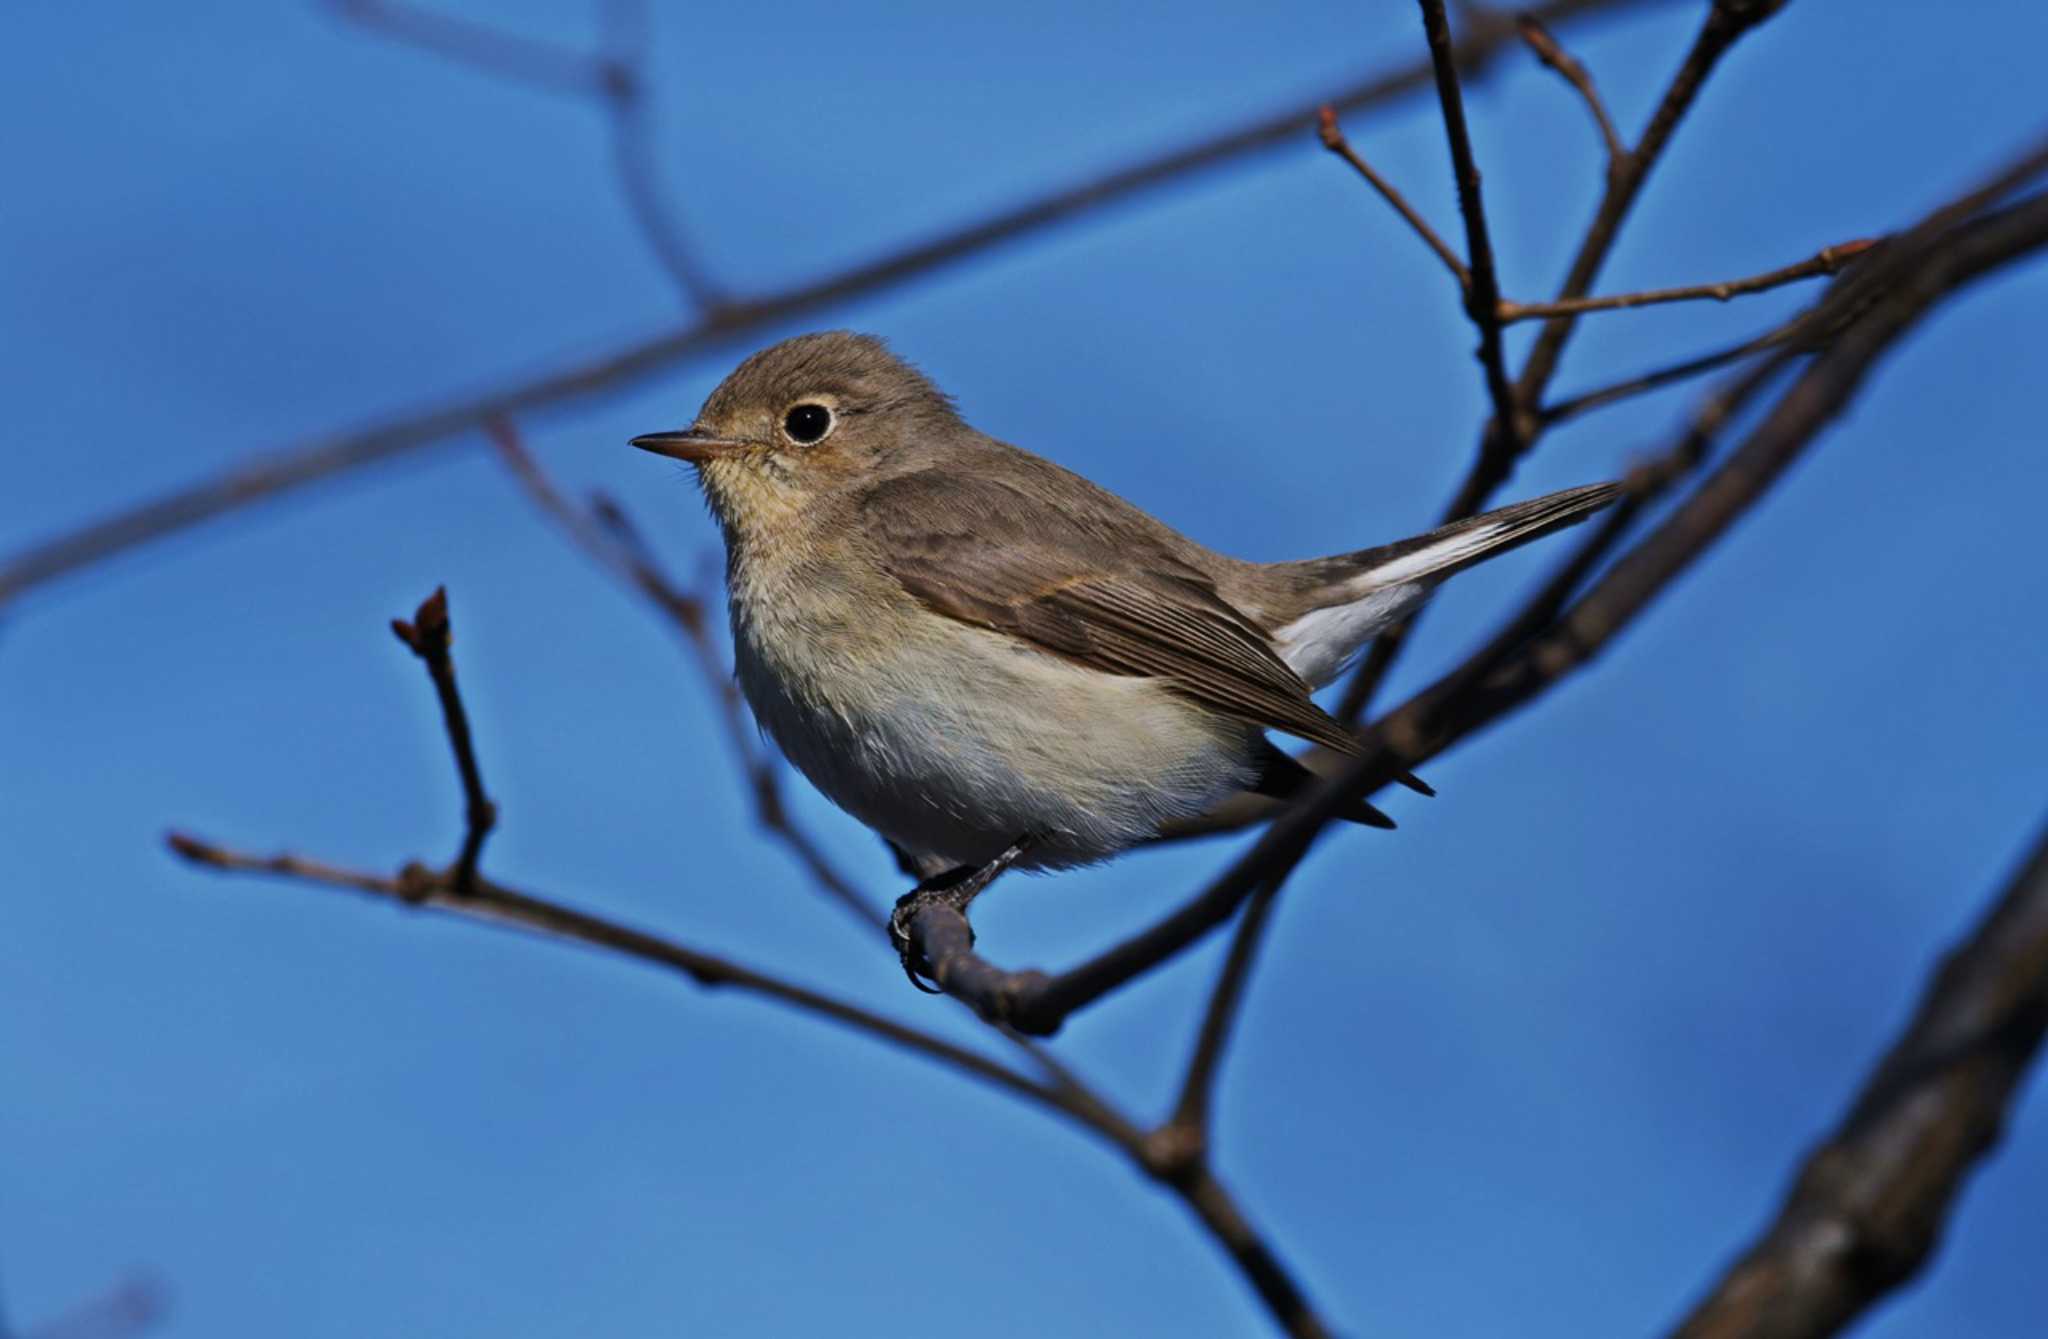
x=955, y=888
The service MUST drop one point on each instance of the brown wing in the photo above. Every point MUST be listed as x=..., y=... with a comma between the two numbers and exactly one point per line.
x=1105, y=596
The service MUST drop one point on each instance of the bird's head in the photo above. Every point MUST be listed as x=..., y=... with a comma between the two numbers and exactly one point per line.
x=805, y=420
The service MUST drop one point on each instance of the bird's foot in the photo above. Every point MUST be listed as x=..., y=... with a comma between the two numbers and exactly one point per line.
x=955, y=889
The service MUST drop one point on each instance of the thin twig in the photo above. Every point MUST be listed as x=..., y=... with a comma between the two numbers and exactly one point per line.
x=1333, y=139
x=430, y=637
x=267, y=476
x=1826, y=261
x=1482, y=290
x=1868, y=1207
x=1726, y=23
x=1553, y=55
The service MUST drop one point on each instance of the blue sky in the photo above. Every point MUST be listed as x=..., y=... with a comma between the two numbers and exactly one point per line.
x=1535, y=1064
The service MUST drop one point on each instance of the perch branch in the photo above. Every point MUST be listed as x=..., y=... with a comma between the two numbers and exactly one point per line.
x=460, y=891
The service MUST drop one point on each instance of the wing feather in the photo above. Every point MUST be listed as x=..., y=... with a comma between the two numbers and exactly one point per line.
x=1110, y=597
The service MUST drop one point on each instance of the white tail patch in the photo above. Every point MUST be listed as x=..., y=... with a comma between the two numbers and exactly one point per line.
x=1320, y=643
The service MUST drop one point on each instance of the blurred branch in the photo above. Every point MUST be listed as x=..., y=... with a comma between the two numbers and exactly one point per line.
x=615, y=78
x=1482, y=292
x=605, y=533
x=1554, y=57
x=1868, y=1207
x=1505, y=439
x=273, y=475
x=134, y=1306
x=481, y=46
x=461, y=891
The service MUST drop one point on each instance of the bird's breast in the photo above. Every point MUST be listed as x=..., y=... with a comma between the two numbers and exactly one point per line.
x=954, y=740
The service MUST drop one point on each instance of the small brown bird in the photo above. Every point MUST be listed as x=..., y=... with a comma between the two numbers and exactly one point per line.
x=990, y=660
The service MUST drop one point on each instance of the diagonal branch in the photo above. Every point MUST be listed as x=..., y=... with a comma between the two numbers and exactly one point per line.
x=1333, y=139
x=267, y=476
x=487, y=49
x=417, y=886
x=1868, y=1206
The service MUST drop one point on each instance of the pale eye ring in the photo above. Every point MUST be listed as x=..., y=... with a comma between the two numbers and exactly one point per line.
x=808, y=423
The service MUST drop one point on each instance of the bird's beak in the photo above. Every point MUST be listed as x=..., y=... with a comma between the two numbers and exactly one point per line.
x=692, y=444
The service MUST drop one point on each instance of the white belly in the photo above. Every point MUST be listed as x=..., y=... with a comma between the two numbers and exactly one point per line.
x=958, y=745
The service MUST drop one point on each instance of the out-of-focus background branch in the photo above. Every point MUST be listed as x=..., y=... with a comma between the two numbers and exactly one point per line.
x=614, y=773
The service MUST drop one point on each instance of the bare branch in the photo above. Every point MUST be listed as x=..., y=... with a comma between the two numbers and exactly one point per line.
x=634, y=142
x=1538, y=39
x=1826, y=261
x=1482, y=291
x=608, y=536
x=1860, y=318
x=1868, y=1207
x=1503, y=442
x=1333, y=140
x=418, y=886
x=430, y=637
x=265, y=477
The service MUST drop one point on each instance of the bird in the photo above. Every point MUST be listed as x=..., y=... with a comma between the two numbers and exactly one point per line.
x=995, y=663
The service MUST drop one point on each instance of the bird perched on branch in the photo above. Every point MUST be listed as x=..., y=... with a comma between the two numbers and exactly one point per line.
x=990, y=660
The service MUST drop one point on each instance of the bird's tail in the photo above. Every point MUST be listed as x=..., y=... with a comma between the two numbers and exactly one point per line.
x=1456, y=546
x=1342, y=601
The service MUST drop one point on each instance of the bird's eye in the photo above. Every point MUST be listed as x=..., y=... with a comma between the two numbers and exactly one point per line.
x=807, y=424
